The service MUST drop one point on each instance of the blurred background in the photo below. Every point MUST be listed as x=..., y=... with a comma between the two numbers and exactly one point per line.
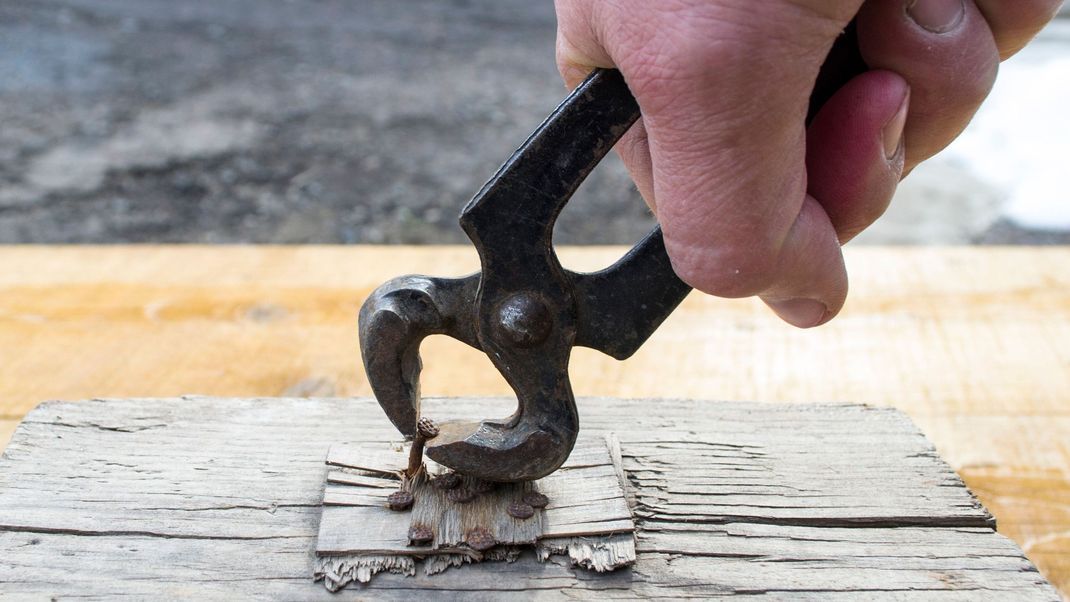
x=332, y=121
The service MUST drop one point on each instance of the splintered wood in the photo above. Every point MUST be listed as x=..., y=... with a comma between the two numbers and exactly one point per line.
x=586, y=517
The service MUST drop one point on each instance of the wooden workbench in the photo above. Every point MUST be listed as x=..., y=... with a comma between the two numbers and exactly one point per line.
x=973, y=343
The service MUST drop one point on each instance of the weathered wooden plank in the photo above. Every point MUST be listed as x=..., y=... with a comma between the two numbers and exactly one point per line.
x=911, y=498
x=958, y=567
x=218, y=499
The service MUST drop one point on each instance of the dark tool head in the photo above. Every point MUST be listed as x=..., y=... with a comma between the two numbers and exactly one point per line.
x=523, y=309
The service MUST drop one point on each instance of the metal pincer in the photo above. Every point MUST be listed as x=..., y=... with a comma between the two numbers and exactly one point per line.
x=523, y=309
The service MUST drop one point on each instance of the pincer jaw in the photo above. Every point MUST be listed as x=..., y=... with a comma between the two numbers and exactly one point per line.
x=500, y=452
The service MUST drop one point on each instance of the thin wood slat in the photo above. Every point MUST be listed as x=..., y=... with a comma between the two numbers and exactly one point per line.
x=220, y=499
x=450, y=523
x=587, y=518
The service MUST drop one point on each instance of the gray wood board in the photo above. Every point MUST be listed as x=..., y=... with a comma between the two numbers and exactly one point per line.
x=220, y=499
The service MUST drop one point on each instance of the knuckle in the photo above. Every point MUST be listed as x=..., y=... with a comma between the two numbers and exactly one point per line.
x=679, y=56
x=731, y=246
x=685, y=64
x=567, y=53
x=568, y=66
x=676, y=44
x=579, y=47
x=730, y=271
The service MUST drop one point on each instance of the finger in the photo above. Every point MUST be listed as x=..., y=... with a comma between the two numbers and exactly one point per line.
x=727, y=157
x=854, y=150
x=1014, y=24
x=579, y=48
x=578, y=52
x=811, y=283
x=945, y=51
x=854, y=158
x=634, y=151
x=727, y=148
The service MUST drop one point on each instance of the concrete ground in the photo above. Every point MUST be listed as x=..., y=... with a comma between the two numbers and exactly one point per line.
x=374, y=121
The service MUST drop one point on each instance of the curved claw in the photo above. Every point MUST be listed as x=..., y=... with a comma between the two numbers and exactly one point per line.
x=394, y=320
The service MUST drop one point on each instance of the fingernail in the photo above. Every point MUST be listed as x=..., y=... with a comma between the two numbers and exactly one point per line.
x=937, y=16
x=892, y=134
x=799, y=311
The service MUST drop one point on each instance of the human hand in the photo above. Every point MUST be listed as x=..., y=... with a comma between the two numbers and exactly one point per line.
x=753, y=200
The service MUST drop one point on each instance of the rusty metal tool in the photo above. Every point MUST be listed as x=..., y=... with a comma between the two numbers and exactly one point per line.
x=524, y=310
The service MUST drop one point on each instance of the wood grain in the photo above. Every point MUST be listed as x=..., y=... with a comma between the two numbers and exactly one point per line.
x=219, y=499
x=973, y=343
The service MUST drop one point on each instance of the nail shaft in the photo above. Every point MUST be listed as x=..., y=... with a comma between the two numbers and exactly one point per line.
x=416, y=455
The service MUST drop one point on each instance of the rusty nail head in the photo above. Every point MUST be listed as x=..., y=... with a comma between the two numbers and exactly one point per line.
x=480, y=539
x=399, y=500
x=520, y=510
x=420, y=534
x=426, y=428
x=535, y=499
x=460, y=495
x=450, y=480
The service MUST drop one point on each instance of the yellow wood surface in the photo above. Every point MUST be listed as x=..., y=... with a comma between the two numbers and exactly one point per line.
x=973, y=343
